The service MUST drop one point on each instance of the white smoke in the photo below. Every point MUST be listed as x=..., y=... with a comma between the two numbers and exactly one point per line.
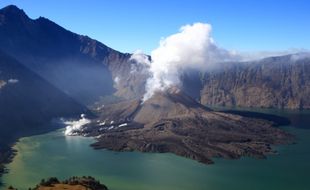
x=141, y=62
x=72, y=127
x=140, y=57
x=191, y=48
x=116, y=81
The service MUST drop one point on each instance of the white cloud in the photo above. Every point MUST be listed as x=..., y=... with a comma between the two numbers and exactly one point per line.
x=299, y=56
x=191, y=48
x=250, y=56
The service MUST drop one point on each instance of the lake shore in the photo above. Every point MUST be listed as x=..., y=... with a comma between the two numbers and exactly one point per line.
x=7, y=154
x=42, y=156
x=7, y=151
x=201, y=136
x=88, y=142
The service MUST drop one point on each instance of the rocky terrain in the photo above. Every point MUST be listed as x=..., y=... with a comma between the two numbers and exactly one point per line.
x=173, y=122
x=88, y=70
x=276, y=82
x=73, y=183
x=80, y=66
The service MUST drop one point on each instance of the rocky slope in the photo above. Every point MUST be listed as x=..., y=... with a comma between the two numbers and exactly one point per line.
x=87, y=70
x=276, y=82
x=173, y=122
x=28, y=103
x=80, y=66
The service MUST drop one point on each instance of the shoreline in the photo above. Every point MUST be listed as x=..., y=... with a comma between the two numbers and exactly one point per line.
x=11, y=152
x=255, y=134
x=8, y=155
x=168, y=165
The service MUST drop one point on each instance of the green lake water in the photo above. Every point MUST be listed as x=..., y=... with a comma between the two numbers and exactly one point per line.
x=54, y=154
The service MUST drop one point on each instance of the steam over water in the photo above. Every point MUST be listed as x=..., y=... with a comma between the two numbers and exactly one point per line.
x=74, y=126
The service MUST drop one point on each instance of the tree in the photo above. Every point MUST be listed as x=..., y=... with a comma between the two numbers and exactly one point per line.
x=42, y=182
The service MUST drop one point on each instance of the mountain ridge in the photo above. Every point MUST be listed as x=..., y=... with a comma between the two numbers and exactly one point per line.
x=274, y=82
x=88, y=70
x=54, y=53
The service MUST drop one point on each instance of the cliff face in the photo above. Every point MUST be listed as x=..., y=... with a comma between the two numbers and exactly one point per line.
x=277, y=82
x=80, y=66
x=129, y=76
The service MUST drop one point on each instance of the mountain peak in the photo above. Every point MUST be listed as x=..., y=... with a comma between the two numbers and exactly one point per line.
x=11, y=10
x=11, y=7
x=173, y=96
x=12, y=13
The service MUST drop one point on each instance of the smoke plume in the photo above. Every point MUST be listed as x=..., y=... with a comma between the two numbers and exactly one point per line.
x=73, y=127
x=141, y=64
x=191, y=48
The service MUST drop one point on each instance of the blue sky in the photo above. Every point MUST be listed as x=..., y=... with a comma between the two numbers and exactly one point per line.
x=127, y=25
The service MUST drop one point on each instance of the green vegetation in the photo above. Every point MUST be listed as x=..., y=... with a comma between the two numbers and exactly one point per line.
x=73, y=183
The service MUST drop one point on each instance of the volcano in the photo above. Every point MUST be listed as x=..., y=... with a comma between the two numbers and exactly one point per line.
x=173, y=122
